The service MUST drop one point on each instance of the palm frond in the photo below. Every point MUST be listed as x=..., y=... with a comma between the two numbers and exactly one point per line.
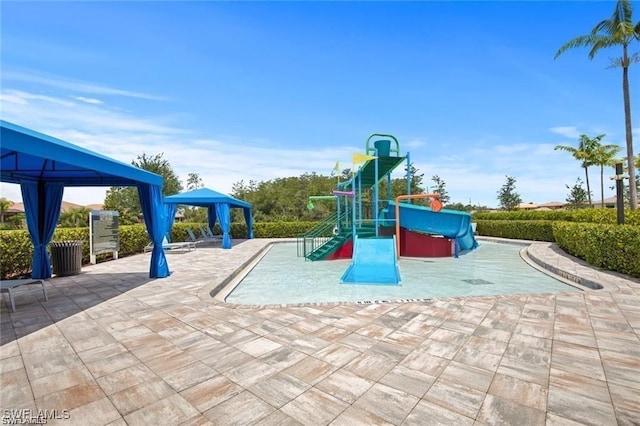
x=623, y=11
x=565, y=148
x=581, y=41
x=608, y=26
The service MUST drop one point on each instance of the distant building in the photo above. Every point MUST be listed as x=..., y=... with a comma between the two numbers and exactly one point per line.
x=551, y=205
x=609, y=203
x=527, y=206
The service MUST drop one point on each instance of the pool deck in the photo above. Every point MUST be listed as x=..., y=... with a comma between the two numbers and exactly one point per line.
x=113, y=347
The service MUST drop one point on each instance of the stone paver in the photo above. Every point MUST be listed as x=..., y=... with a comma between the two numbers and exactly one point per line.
x=113, y=347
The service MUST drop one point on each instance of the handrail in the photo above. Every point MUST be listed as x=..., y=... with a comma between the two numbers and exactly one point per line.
x=436, y=206
x=310, y=204
x=320, y=234
x=381, y=135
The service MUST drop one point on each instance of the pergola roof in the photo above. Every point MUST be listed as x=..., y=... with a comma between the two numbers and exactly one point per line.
x=27, y=155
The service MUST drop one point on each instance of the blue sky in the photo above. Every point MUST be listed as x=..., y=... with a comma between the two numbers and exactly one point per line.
x=260, y=90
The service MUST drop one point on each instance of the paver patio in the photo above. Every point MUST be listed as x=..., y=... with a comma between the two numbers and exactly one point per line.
x=114, y=347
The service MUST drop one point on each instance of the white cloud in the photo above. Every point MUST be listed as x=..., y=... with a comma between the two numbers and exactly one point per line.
x=51, y=80
x=567, y=131
x=88, y=100
x=473, y=170
x=219, y=162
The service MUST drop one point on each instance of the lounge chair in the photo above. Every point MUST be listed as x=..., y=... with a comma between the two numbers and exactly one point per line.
x=10, y=286
x=208, y=235
x=192, y=236
x=167, y=246
x=196, y=240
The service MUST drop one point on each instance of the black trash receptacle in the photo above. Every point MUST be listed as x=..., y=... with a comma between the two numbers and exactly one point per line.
x=66, y=257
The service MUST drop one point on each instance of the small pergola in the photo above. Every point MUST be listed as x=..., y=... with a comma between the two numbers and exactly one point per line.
x=218, y=207
x=43, y=166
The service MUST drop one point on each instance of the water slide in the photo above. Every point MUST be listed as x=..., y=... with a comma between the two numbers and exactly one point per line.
x=374, y=261
x=452, y=224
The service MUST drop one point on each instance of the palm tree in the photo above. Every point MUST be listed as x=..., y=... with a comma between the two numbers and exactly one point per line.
x=618, y=30
x=604, y=155
x=75, y=218
x=584, y=153
x=4, y=206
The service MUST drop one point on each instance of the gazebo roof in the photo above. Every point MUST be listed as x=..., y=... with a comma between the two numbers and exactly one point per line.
x=27, y=155
x=204, y=197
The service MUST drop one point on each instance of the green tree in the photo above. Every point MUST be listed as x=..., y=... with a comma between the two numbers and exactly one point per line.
x=507, y=195
x=4, y=206
x=194, y=181
x=399, y=185
x=584, y=154
x=616, y=31
x=191, y=213
x=17, y=221
x=604, y=155
x=440, y=188
x=125, y=199
x=577, y=195
x=74, y=218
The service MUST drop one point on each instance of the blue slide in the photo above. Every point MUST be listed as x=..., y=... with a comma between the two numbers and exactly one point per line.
x=451, y=224
x=374, y=261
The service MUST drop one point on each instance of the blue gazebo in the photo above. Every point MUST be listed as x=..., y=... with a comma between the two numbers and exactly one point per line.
x=43, y=166
x=218, y=207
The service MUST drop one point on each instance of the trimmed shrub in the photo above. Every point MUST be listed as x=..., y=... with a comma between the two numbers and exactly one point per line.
x=16, y=251
x=612, y=247
x=632, y=217
x=535, y=230
x=133, y=239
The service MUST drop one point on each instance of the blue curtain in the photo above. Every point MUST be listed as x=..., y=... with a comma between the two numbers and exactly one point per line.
x=155, y=220
x=170, y=211
x=42, y=204
x=224, y=216
x=211, y=215
x=248, y=218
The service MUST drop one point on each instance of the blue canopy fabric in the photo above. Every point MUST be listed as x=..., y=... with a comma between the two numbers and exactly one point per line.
x=42, y=203
x=31, y=156
x=224, y=216
x=155, y=220
x=44, y=165
x=170, y=212
x=212, y=216
x=209, y=198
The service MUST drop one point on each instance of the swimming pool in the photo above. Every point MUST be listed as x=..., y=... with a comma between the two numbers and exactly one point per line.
x=281, y=277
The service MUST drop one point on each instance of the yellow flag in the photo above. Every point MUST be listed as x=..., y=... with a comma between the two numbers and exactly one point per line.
x=361, y=158
x=336, y=168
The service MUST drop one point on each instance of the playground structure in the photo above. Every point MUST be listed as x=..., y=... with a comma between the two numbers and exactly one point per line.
x=374, y=236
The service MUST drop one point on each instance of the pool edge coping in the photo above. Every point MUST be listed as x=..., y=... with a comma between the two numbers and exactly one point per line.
x=221, y=291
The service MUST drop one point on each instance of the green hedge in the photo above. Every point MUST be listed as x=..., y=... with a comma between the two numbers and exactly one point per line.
x=612, y=247
x=608, y=246
x=535, y=230
x=16, y=248
x=632, y=217
x=15, y=253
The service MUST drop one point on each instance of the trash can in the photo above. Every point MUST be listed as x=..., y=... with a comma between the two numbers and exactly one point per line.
x=66, y=257
x=383, y=146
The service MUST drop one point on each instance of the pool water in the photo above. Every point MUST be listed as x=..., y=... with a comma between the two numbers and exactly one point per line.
x=493, y=268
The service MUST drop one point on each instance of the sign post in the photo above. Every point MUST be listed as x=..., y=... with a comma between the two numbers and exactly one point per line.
x=103, y=234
